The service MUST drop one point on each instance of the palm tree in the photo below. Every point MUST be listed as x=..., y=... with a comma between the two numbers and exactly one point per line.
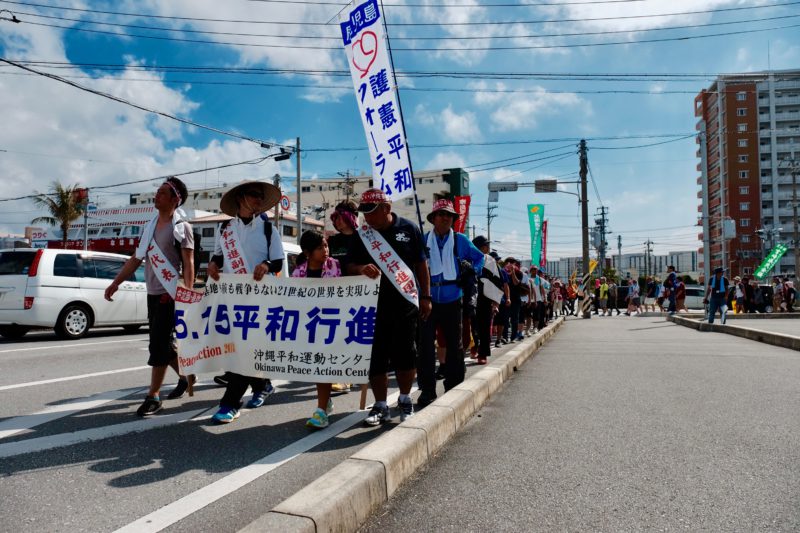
x=64, y=206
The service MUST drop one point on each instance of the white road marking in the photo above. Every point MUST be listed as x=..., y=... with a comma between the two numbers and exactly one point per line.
x=67, y=439
x=191, y=503
x=21, y=423
x=71, y=378
x=68, y=345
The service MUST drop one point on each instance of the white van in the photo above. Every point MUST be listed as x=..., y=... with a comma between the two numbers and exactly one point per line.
x=64, y=290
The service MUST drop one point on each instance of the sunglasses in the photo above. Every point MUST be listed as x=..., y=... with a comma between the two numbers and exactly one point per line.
x=255, y=194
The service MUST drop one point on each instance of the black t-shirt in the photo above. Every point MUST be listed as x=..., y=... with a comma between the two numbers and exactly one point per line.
x=719, y=287
x=406, y=240
x=338, y=247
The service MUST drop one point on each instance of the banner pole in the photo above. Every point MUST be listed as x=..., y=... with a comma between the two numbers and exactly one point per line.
x=402, y=118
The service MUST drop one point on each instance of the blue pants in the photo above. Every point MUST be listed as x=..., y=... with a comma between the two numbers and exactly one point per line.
x=714, y=304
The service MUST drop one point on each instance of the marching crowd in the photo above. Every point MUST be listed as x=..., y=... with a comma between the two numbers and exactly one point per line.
x=443, y=298
x=464, y=299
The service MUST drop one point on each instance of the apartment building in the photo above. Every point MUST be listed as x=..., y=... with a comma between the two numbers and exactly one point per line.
x=748, y=124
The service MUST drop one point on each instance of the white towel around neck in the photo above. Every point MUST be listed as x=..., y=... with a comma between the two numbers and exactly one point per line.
x=178, y=231
x=442, y=261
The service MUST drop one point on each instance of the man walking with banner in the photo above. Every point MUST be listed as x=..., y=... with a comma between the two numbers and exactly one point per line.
x=247, y=244
x=167, y=244
x=451, y=256
x=392, y=246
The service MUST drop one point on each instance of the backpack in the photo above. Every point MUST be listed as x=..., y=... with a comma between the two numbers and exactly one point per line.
x=267, y=228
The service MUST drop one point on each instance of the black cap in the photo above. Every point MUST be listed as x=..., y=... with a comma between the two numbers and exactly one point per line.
x=480, y=241
x=719, y=270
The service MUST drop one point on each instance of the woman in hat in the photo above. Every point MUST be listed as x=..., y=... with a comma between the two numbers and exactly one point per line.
x=259, y=245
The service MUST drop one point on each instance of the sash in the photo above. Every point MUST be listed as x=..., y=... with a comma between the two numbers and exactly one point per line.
x=163, y=269
x=230, y=247
x=394, y=268
x=490, y=290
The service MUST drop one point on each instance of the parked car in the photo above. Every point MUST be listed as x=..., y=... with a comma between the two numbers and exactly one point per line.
x=64, y=290
x=694, y=297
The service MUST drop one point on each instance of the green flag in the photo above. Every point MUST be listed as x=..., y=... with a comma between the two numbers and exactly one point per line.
x=770, y=261
x=535, y=218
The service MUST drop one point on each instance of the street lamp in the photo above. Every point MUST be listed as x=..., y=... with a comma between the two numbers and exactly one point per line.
x=284, y=154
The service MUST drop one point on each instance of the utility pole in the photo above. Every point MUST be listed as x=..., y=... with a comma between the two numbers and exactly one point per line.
x=276, y=181
x=648, y=257
x=584, y=169
x=489, y=216
x=602, y=224
x=299, y=191
x=619, y=253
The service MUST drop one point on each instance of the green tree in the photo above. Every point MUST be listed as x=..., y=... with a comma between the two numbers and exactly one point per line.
x=64, y=205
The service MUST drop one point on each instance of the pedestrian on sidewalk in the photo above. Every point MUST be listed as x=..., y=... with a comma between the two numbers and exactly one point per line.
x=680, y=296
x=315, y=262
x=716, y=295
x=603, y=296
x=451, y=256
x=399, y=312
x=501, y=319
x=247, y=244
x=669, y=283
x=738, y=295
x=613, y=294
x=167, y=240
x=777, y=294
x=489, y=298
x=651, y=291
x=517, y=289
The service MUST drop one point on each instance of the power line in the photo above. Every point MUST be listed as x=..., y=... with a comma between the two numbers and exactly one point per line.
x=400, y=38
x=429, y=49
x=472, y=168
x=549, y=157
x=140, y=107
x=413, y=24
x=146, y=180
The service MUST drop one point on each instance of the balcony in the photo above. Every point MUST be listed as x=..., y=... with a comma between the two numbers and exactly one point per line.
x=765, y=165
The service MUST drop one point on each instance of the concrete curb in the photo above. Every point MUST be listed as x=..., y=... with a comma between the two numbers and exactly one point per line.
x=343, y=498
x=758, y=335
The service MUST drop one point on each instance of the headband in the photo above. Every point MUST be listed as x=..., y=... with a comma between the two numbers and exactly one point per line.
x=175, y=190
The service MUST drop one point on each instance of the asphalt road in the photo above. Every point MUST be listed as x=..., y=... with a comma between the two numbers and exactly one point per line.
x=786, y=326
x=75, y=457
x=623, y=424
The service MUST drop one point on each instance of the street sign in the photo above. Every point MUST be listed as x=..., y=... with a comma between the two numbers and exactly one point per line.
x=545, y=186
x=494, y=196
x=770, y=261
x=503, y=186
x=285, y=203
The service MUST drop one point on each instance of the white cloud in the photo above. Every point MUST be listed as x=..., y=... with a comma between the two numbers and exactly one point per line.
x=53, y=132
x=446, y=160
x=457, y=127
x=517, y=110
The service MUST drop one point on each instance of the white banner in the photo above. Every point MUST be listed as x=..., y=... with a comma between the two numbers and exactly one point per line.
x=297, y=329
x=373, y=79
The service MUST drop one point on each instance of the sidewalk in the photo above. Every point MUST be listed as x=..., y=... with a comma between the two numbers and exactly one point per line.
x=621, y=426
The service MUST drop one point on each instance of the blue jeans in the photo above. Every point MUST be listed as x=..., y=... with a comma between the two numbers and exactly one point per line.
x=714, y=304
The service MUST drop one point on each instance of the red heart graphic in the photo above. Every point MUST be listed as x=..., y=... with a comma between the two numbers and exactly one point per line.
x=365, y=55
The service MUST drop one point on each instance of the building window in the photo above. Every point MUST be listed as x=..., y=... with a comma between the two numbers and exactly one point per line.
x=747, y=270
x=744, y=238
x=741, y=111
x=744, y=223
x=306, y=188
x=744, y=206
x=741, y=128
x=744, y=174
x=742, y=143
x=743, y=158
x=741, y=96
x=744, y=190
x=208, y=232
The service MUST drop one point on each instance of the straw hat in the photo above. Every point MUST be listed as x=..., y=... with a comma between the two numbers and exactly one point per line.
x=271, y=195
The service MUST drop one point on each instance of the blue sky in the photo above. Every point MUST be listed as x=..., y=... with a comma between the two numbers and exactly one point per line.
x=55, y=132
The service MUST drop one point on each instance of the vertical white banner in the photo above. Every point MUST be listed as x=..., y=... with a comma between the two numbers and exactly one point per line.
x=373, y=79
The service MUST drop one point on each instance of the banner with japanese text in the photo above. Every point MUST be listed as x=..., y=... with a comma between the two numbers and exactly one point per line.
x=535, y=218
x=543, y=262
x=462, y=208
x=299, y=329
x=364, y=41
